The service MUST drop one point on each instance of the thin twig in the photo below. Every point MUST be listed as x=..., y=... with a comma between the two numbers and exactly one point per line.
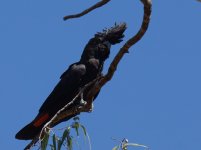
x=99, y=4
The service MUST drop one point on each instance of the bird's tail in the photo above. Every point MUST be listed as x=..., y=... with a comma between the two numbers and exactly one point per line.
x=28, y=132
x=31, y=130
x=114, y=34
x=34, y=128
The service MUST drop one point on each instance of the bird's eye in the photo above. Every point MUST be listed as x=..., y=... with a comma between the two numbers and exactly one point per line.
x=108, y=44
x=102, y=47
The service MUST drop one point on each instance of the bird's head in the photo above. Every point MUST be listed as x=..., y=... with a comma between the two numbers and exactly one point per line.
x=99, y=46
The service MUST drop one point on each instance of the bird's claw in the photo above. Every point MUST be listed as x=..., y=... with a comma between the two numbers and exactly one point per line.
x=91, y=107
x=83, y=102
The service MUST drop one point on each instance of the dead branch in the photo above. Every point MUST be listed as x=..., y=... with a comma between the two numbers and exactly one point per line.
x=100, y=81
x=95, y=6
x=144, y=26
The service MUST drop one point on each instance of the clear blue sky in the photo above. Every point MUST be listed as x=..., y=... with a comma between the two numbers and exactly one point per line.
x=155, y=95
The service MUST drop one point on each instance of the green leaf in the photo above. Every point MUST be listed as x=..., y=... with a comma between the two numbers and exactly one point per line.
x=60, y=142
x=77, y=131
x=54, y=142
x=76, y=118
x=52, y=147
x=44, y=142
x=69, y=142
x=116, y=148
x=66, y=132
x=135, y=145
x=76, y=126
x=84, y=130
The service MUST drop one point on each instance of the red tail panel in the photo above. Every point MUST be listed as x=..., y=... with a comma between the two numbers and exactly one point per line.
x=32, y=129
x=40, y=120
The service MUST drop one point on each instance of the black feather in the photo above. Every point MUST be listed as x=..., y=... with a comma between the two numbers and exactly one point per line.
x=113, y=35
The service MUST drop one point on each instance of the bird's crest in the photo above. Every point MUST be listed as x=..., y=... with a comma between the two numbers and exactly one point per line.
x=114, y=34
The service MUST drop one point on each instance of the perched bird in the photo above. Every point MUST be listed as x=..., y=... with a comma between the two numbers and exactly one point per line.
x=74, y=78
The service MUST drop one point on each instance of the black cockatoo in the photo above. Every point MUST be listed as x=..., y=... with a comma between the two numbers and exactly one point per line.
x=74, y=78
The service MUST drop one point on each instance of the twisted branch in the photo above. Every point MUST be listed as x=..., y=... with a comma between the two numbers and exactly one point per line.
x=144, y=26
x=95, y=6
x=100, y=81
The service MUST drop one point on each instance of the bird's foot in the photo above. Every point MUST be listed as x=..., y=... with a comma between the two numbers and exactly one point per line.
x=83, y=102
x=89, y=108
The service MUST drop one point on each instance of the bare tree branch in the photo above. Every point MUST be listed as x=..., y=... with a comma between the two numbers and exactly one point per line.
x=99, y=4
x=145, y=23
x=144, y=26
x=100, y=81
